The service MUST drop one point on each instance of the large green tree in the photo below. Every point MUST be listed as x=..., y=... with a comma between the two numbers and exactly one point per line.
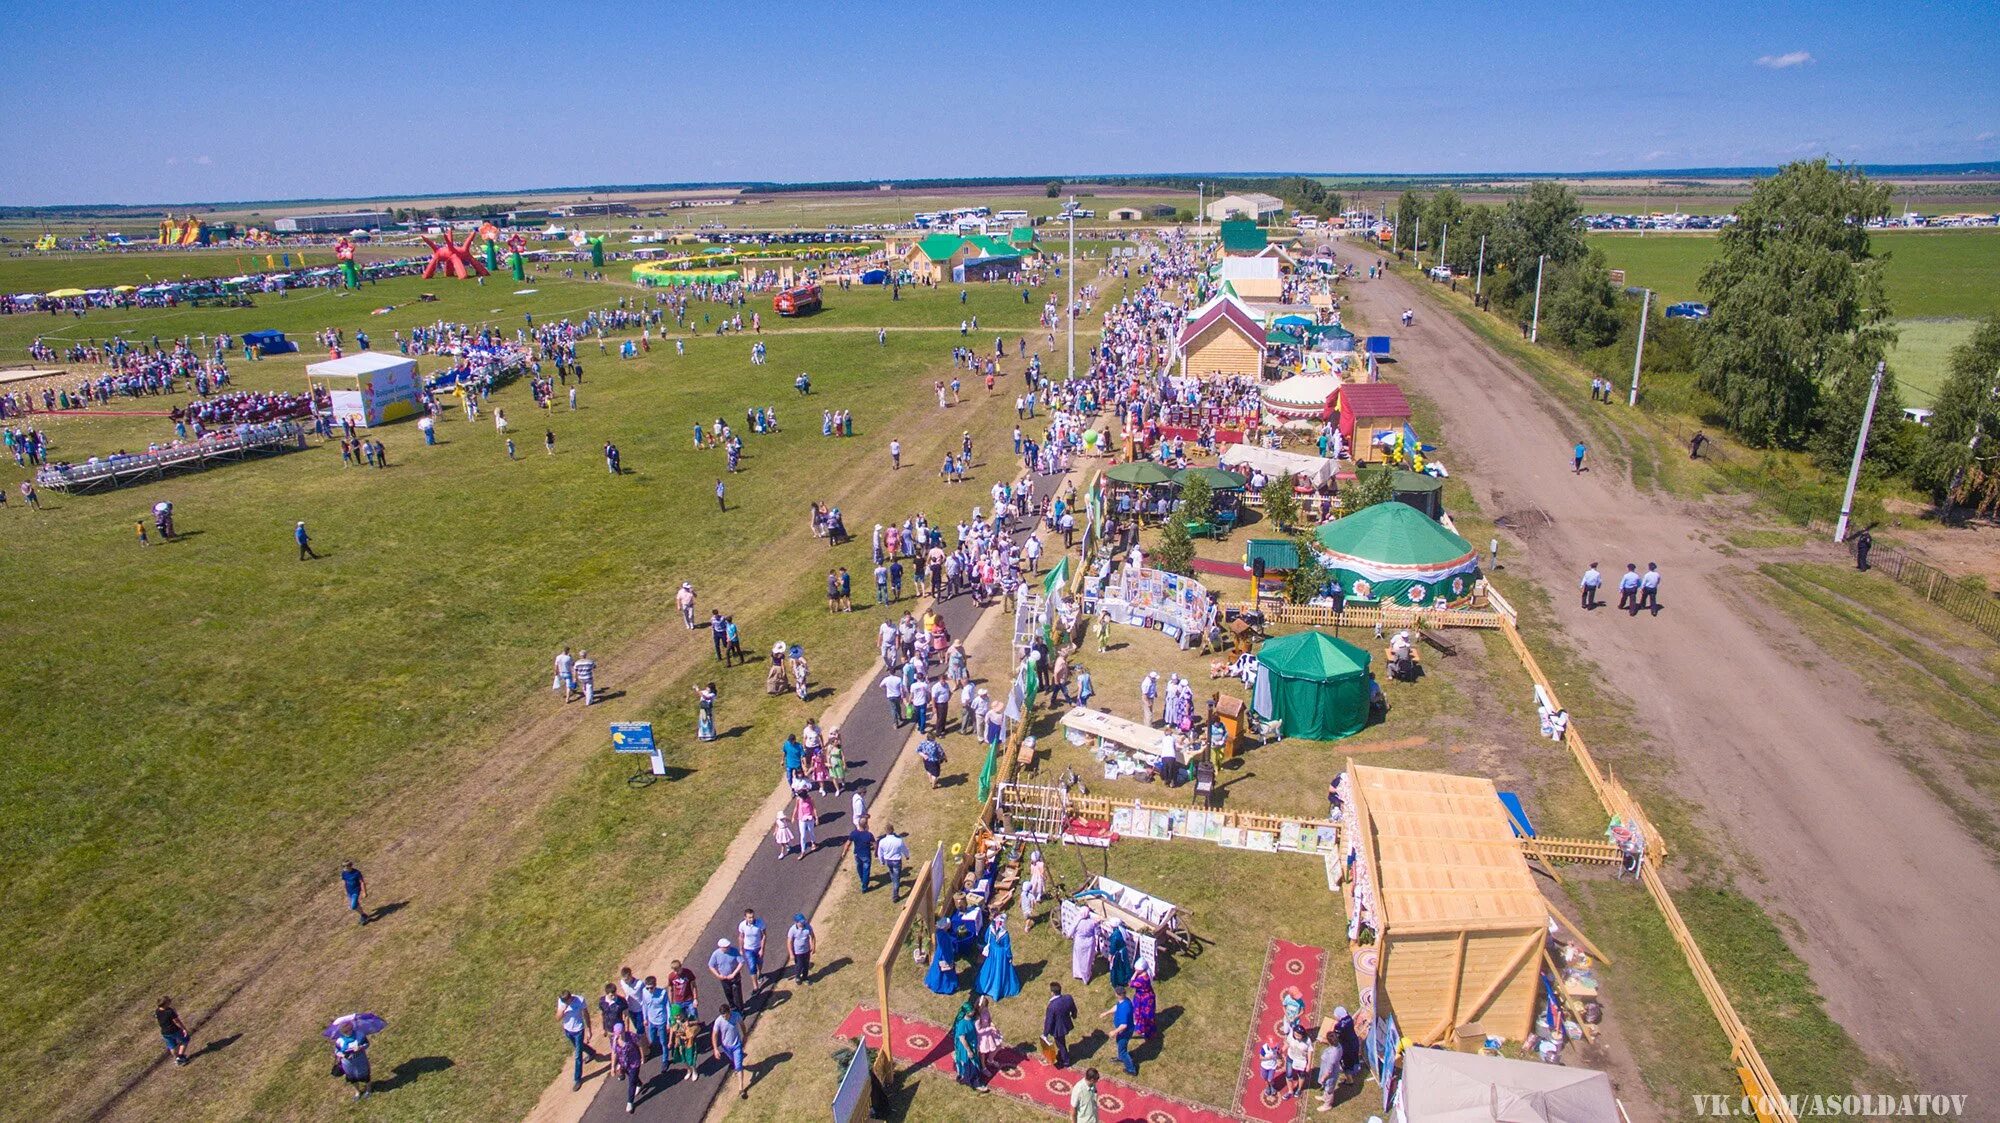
x=1408, y=209
x=1960, y=460
x=1795, y=301
x=1546, y=222
x=1443, y=212
x=1579, y=304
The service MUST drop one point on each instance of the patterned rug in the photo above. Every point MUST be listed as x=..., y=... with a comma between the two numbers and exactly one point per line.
x=1024, y=1076
x=1286, y=965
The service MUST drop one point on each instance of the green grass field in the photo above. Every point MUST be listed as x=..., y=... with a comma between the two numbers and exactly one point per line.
x=203, y=729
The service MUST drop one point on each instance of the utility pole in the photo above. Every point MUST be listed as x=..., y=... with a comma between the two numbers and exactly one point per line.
x=1535, y=327
x=1201, y=205
x=1444, y=244
x=1479, y=272
x=1645, y=306
x=1071, y=271
x=1860, y=447
x=1417, y=241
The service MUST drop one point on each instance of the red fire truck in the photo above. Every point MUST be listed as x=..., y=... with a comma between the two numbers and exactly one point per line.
x=800, y=301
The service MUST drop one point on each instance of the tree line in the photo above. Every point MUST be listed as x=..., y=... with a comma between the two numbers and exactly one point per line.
x=1798, y=321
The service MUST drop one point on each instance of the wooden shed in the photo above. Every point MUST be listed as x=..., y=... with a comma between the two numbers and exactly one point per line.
x=1459, y=922
x=1222, y=337
x=1365, y=408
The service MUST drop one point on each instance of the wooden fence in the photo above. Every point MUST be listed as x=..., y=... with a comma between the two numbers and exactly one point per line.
x=1367, y=616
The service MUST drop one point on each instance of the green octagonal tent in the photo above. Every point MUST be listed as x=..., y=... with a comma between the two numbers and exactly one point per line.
x=1315, y=683
x=1394, y=552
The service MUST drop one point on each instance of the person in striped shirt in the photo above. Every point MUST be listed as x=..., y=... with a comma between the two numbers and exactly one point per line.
x=585, y=670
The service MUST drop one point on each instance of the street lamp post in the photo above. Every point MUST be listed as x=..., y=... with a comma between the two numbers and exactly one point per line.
x=1535, y=328
x=1479, y=271
x=1638, y=353
x=1860, y=448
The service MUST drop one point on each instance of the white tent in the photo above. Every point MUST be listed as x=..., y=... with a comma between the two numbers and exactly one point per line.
x=370, y=387
x=1272, y=462
x=1445, y=1087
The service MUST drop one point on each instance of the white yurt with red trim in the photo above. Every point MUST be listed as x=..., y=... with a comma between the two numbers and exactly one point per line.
x=1302, y=397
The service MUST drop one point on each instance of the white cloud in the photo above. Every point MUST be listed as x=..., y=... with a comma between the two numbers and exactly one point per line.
x=203, y=160
x=1785, y=61
x=1985, y=136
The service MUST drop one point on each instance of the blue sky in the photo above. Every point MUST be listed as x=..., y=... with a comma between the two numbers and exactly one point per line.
x=196, y=101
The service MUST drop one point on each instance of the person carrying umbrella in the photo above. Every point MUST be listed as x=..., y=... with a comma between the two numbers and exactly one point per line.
x=349, y=1034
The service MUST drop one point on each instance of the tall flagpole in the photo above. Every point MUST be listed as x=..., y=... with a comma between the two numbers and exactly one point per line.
x=1071, y=271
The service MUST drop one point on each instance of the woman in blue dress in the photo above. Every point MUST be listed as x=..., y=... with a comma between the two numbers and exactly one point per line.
x=943, y=975
x=997, y=977
x=705, y=724
x=1118, y=948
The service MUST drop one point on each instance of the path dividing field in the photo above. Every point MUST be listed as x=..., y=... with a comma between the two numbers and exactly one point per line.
x=778, y=889
x=1888, y=896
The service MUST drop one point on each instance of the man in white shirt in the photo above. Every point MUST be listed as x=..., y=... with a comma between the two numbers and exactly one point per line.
x=1032, y=550
x=892, y=689
x=1649, y=587
x=894, y=852
x=750, y=936
x=564, y=680
x=1149, y=690
x=574, y=1017
x=1592, y=581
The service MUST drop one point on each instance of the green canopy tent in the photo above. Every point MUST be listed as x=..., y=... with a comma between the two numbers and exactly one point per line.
x=1141, y=473
x=1394, y=552
x=1316, y=684
x=1425, y=493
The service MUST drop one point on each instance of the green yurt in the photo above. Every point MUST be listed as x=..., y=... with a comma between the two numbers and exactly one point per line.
x=1316, y=684
x=1394, y=552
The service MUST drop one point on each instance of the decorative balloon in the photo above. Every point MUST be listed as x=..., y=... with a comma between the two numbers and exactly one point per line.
x=597, y=251
x=515, y=244
x=456, y=260
x=343, y=250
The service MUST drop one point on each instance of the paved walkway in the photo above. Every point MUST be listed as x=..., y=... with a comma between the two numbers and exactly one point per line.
x=778, y=889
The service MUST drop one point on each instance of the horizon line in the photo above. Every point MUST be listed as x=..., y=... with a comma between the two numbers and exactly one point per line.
x=1112, y=179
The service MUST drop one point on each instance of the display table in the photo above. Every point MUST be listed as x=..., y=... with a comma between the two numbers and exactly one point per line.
x=1128, y=736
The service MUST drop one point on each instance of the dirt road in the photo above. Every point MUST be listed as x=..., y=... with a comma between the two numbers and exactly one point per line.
x=1767, y=735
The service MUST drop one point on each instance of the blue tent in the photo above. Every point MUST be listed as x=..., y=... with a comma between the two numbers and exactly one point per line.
x=875, y=277
x=269, y=342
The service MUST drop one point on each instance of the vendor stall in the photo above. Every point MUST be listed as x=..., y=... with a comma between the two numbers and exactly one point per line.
x=1317, y=685
x=1438, y=878
x=1391, y=552
x=1181, y=607
x=370, y=387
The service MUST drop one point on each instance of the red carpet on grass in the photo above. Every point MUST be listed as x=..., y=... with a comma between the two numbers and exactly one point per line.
x=1023, y=1076
x=1224, y=568
x=1287, y=965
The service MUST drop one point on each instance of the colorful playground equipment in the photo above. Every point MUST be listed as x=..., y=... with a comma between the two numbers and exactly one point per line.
x=188, y=232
